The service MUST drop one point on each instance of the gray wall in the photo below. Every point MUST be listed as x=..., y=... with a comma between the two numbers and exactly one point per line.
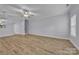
x=9, y=30
x=75, y=10
x=50, y=26
x=77, y=31
x=19, y=27
x=13, y=26
x=76, y=40
x=48, y=22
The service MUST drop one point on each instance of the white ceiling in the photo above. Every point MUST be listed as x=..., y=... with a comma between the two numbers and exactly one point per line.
x=43, y=10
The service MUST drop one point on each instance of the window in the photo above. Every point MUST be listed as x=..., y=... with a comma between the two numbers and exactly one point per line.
x=73, y=25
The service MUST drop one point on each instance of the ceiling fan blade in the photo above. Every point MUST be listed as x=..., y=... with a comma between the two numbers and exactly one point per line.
x=16, y=9
x=19, y=9
x=7, y=14
x=35, y=14
x=11, y=15
x=19, y=6
x=25, y=6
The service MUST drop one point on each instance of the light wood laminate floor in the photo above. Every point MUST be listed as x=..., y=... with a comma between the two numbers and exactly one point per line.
x=35, y=45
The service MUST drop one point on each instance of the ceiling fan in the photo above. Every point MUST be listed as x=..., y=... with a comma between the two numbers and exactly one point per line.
x=26, y=12
x=23, y=10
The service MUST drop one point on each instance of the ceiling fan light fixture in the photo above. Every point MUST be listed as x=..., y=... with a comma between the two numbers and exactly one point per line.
x=30, y=13
x=25, y=15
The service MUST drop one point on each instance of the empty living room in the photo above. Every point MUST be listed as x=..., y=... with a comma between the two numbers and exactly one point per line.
x=39, y=29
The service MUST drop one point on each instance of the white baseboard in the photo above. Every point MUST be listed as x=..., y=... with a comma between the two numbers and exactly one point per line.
x=22, y=33
x=12, y=34
x=67, y=38
x=7, y=35
x=74, y=44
